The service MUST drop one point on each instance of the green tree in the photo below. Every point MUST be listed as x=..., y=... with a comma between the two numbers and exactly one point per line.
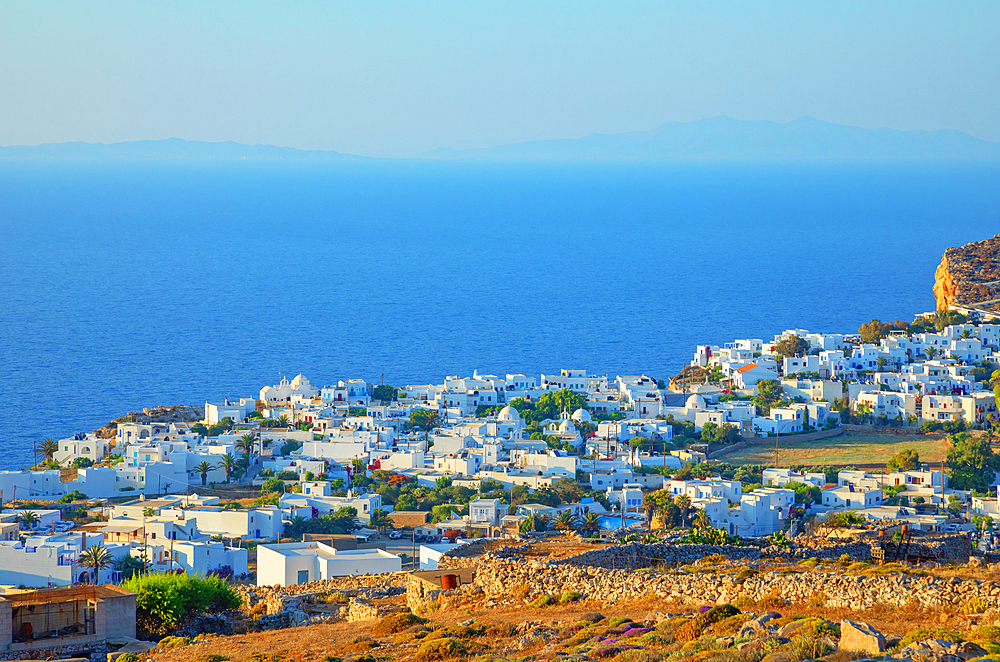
x=552, y=403
x=273, y=485
x=203, y=468
x=384, y=393
x=955, y=505
x=130, y=566
x=873, y=332
x=931, y=352
x=770, y=390
x=971, y=461
x=590, y=524
x=229, y=463
x=424, y=419
x=49, y=448
x=96, y=559
x=519, y=494
x=566, y=520
x=381, y=520
x=905, y=460
x=791, y=346
x=246, y=444
x=28, y=519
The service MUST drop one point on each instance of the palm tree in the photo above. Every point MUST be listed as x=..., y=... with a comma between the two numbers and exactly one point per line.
x=931, y=352
x=229, y=463
x=246, y=444
x=701, y=520
x=590, y=523
x=203, y=468
x=294, y=528
x=283, y=421
x=96, y=558
x=566, y=520
x=683, y=502
x=28, y=519
x=966, y=334
x=49, y=448
x=881, y=362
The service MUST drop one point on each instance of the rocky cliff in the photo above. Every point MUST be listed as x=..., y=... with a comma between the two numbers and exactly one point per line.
x=969, y=276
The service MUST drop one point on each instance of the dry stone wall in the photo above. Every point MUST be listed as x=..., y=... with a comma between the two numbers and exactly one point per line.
x=615, y=574
x=496, y=576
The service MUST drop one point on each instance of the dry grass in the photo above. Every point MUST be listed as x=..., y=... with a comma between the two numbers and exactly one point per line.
x=842, y=450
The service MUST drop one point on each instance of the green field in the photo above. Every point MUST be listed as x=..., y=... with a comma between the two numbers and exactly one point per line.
x=845, y=449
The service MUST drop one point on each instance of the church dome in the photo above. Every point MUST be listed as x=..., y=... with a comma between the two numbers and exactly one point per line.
x=581, y=416
x=508, y=413
x=695, y=402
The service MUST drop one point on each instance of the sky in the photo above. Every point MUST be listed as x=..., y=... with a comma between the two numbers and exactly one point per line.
x=402, y=78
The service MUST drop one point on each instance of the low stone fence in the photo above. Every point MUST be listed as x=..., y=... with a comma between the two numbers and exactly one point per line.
x=880, y=430
x=836, y=590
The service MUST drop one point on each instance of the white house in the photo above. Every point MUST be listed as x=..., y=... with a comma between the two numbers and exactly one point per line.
x=487, y=511
x=848, y=496
x=780, y=477
x=302, y=562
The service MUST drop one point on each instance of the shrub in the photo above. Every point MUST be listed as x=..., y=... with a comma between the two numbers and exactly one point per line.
x=394, y=623
x=857, y=567
x=441, y=649
x=986, y=633
x=818, y=599
x=542, y=601
x=617, y=620
x=127, y=657
x=637, y=655
x=337, y=598
x=520, y=591
x=591, y=617
x=806, y=648
x=811, y=562
x=209, y=657
x=693, y=628
x=165, y=598
x=922, y=633
x=501, y=630
x=745, y=602
x=173, y=642
x=265, y=657
x=568, y=597
x=976, y=605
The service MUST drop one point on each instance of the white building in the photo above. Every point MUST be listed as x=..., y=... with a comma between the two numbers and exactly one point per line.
x=302, y=562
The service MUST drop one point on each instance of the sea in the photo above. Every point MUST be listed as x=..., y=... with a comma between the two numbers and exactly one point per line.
x=125, y=286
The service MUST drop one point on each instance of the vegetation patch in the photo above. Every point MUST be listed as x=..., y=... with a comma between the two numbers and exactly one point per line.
x=173, y=642
x=441, y=649
x=394, y=623
x=163, y=599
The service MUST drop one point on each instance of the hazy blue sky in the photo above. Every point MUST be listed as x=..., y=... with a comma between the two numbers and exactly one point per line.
x=404, y=77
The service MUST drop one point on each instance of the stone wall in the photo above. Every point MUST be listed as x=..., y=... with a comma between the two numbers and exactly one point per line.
x=497, y=576
x=615, y=574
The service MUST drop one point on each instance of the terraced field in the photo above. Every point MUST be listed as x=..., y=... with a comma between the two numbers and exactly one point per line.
x=847, y=449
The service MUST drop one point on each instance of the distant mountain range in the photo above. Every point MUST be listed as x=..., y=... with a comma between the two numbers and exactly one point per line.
x=723, y=138
x=717, y=139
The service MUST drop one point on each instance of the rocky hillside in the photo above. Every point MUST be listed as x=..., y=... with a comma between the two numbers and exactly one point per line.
x=970, y=276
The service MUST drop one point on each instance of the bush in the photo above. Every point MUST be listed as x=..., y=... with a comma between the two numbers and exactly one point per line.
x=976, y=605
x=771, y=601
x=394, y=623
x=209, y=657
x=986, y=633
x=591, y=617
x=568, y=597
x=745, y=602
x=542, y=601
x=638, y=655
x=441, y=649
x=127, y=657
x=165, y=598
x=173, y=642
x=922, y=633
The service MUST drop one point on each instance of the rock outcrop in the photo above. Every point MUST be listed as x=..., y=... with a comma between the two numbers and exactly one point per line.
x=969, y=276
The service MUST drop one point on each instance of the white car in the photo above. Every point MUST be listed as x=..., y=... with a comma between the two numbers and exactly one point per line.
x=395, y=535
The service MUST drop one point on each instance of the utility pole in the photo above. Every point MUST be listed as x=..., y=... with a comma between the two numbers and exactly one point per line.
x=413, y=532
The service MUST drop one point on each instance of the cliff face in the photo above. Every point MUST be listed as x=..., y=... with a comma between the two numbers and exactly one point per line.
x=969, y=276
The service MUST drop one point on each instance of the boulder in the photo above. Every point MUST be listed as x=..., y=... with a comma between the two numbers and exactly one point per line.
x=860, y=637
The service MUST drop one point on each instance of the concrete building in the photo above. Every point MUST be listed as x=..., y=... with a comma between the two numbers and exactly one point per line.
x=303, y=562
x=54, y=618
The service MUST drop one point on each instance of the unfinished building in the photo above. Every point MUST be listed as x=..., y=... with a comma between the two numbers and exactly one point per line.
x=58, y=617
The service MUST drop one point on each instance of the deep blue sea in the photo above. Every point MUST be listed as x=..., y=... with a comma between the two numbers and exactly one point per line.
x=130, y=286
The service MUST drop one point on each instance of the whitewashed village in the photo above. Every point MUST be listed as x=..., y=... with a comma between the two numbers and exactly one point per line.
x=340, y=467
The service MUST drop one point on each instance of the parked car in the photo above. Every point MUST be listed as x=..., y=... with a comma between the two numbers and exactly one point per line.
x=396, y=535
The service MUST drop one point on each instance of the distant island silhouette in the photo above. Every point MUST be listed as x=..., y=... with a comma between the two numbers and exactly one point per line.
x=716, y=139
